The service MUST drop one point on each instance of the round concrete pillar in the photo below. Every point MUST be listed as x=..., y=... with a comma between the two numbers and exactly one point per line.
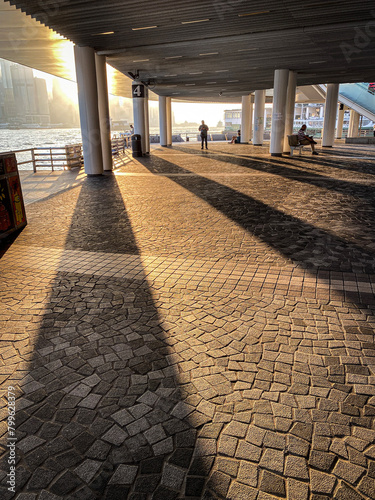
x=330, y=111
x=278, y=111
x=353, y=123
x=340, y=121
x=163, y=124
x=147, y=124
x=289, y=110
x=103, y=105
x=138, y=93
x=169, y=121
x=259, y=110
x=246, y=119
x=88, y=109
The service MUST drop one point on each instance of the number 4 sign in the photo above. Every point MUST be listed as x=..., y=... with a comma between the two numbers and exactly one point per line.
x=138, y=90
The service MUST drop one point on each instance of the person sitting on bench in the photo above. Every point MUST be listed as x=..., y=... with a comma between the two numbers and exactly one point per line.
x=306, y=139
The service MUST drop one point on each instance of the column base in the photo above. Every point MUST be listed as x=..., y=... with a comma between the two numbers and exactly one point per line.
x=276, y=154
x=327, y=146
x=94, y=175
x=258, y=144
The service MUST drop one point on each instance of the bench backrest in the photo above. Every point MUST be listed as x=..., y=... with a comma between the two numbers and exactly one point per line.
x=293, y=140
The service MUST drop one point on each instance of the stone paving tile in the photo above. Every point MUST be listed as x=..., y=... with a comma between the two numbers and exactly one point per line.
x=201, y=328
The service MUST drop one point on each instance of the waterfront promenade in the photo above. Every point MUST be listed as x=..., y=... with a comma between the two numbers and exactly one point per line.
x=196, y=325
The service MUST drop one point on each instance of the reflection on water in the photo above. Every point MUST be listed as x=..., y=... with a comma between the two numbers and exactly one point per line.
x=11, y=140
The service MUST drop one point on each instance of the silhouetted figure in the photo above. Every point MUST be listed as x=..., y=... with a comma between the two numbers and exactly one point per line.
x=203, y=129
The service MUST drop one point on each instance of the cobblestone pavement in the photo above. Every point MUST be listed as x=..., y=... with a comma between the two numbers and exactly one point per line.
x=199, y=325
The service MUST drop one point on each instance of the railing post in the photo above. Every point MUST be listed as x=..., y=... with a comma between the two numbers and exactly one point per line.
x=33, y=160
x=50, y=152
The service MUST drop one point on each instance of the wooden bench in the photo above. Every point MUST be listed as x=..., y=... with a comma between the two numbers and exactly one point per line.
x=294, y=144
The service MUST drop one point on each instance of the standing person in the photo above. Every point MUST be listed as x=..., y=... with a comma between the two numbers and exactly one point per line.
x=203, y=129
x=374, y=129
x=306, y=139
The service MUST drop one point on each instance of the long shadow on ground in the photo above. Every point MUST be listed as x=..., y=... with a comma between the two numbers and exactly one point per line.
x=102, y=411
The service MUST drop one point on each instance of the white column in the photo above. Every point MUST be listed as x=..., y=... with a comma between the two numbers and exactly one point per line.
x=88, y=109
x=147, y=124
x=163, y=125
x=278, y=111
x=246, y=119
x=259, y=108
x=138, y=92
x=290, y=105
x=353, y=124
x=103, y=104
x=169, y=121
x=330, y=111
x=340, y=121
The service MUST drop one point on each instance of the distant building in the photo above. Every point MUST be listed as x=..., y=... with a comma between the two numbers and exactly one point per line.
x=6, y=76
x=24, y=93
x=42, y=105
x=23, y=98
x=7, y=103
x=232, y=119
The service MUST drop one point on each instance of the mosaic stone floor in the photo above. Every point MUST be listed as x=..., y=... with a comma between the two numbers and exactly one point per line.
x=198, y=325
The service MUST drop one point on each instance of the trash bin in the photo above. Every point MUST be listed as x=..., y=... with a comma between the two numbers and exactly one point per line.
x=136, y=145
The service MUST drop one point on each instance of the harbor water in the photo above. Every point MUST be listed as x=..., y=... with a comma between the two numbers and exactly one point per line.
x=13, y=140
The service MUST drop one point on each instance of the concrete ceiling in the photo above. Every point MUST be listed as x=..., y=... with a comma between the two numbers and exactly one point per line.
x=223, y=49
x=24, y=40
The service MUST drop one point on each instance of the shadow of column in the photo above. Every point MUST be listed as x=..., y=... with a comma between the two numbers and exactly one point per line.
x=104, y=410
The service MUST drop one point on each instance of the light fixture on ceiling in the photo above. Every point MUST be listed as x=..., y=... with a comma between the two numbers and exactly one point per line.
x=210, y=83
x=232, y=81
x=254, y=13
x=107, y=33
x=189, y=84
x=221, y=71
x=173, y=57
x=141, y=60
x=197, y=21
x=144, y=28
x=196, y=73
x=209, y=54
x=248, y=50
x=169, y=75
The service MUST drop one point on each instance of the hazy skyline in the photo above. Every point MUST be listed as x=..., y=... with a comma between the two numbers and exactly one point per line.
x=211, y=113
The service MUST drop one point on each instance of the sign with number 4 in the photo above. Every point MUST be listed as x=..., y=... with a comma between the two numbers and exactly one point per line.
x=138, y=90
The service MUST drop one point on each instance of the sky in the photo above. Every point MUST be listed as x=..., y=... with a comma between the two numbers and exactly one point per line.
x=191, y=112
x=196, y=112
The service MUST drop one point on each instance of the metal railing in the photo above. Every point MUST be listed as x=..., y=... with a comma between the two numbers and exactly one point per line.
x=119, y=144
x=65, y=157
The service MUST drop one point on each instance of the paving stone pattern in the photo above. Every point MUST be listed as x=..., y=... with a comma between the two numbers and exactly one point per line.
x=197, y=326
